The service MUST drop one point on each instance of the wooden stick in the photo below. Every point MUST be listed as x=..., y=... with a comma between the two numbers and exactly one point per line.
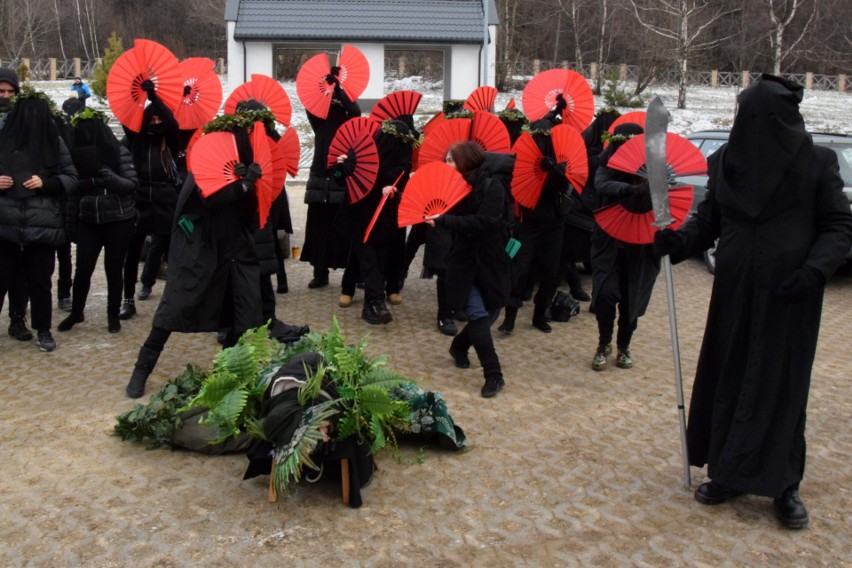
x=344, y=479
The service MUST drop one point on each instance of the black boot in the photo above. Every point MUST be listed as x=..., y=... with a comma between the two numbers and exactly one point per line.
x=145, y=363
x=69, y=322
x=539, y=320
x=18, y=327
x=508, y=325
x=575, y=284
x=127, y=310
x=791, y=510
x=483, y=344
x=459, y=348
x=376, y=313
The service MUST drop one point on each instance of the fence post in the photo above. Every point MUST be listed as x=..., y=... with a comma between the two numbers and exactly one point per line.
x=809, y=81
x=622, y=72
x=593, y=71
x=220, y=66
x=51, y=66
x=536, y=66
x=565, y=64
x=401, y=66
x=841, y=82
x=746, y=79
x=77, y=67
x=714, y=78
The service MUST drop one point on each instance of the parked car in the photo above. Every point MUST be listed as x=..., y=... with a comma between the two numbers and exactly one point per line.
x=708, y=141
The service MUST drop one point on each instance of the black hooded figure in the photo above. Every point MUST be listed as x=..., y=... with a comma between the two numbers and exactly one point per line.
x=540, y=232
x=368, y=261
x=155, y=150
x=214, y=272
x=326, y=247
x=35, y=170
x=623, y=274
x=775, y=202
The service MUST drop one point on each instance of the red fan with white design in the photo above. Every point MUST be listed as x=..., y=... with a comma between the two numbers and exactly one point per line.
x=433, y=190
x=638, y=227
x=484, y=128
x=482, y=98
x=529, y=177
x=273, y=170
x=682, y=157
x=540, y=96
x=212, y=161
x=202, y=93
x=396, y=104
x=315, y=92
x=355, y=140
x=266, y=91
x=146, y=61
x=291, y=150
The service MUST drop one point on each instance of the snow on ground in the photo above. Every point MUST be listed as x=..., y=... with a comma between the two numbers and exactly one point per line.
x=708, y=108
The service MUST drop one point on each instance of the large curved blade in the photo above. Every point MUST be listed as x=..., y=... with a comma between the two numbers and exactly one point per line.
x=656, y=123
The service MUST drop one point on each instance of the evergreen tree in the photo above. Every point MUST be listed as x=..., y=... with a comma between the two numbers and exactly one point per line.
x=111, y=53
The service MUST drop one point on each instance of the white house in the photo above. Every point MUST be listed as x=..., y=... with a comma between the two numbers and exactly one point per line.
x=256, y=28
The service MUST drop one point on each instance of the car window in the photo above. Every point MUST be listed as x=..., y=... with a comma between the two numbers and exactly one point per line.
x=844, y=157
x=710, y=146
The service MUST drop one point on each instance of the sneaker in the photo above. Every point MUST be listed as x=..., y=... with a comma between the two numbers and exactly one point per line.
x=580, y=295
x=345, y=301
x=127, y=310
x=18, y=328
x=144, y=293
x=45, y=341
x=447, y=326
x=64, y=304
x=394, y=299
x=599, y=361
x=492, y=386
x=623, y=360
x=318, y=283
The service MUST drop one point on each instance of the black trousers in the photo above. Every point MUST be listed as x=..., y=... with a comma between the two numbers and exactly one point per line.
x=34, y=263
x=114, y=239
x=16, y=286
x=366, y=263
x=538, y=257
x=157, y=250
x=131, y=263
x=64, y=268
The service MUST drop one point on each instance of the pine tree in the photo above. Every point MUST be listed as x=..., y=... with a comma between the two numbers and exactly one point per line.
x=111, y=53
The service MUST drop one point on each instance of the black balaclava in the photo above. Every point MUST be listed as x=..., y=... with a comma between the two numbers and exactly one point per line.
x=767, y=136
x=593, y=133
x=540, y=131
x=628, y=130
x=92, y=132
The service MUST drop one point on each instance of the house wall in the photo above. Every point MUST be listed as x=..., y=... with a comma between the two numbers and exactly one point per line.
x=461, y=71
x=258, y=57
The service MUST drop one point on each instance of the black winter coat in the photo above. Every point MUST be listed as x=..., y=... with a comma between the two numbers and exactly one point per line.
x=106, y=198
x=477, y=256
x=37, y=218
x=747, y=413
x=216, y=258
x=321, y=186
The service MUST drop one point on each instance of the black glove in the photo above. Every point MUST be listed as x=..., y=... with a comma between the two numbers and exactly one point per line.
x=240, y=170
x=105, y=174
x=636, y=190
x=668, y=242
x=561, y=103
x=548, y=164
x=802, y=283
x=332, y=80
x=186, y=90
x=148, y=86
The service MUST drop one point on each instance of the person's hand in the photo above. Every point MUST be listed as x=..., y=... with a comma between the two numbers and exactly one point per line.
x=803, y=283
x=635, y=190
x=430, y=219
x=561, y=103
x=148, y=86
x=668, y=242
x=332, y=79
x=389, y=190
x=341, y=158
x=548, y=164
x=253, y=172
x=240, y=170
x=34, y=183
x=6, y=182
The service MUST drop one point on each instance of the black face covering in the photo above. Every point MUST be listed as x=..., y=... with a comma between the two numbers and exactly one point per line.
x=5, y=105
x=155, y=131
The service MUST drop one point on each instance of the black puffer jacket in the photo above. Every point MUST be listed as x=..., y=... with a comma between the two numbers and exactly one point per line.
x=37, y=218
x=108, y=197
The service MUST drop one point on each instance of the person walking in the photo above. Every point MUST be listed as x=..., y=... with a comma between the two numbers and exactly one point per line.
x=775, y=203
x=81, y=90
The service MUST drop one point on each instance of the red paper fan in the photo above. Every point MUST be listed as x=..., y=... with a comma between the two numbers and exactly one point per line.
x=360, y=122
x=379, y=209
x=569, y=148
x=396, y=104
x=482, y=98
x=433, y=190
x=146, y=60
x=638, y=228
x=528, y=178
x=354, y=138
x=191, y=144
x=489, y=132
x=266, y=91
x=539, y=97
x=202, y=102
x=634, y=117
x=441, y=137
x=313, y=90
x=682, y=157
x=433, y=122
x=271, y=182
x=354, y=71
x=290, y=149
x=212, y=161
x=511, y=103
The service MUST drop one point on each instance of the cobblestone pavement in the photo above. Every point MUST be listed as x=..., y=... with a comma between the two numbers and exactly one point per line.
x=567, y=467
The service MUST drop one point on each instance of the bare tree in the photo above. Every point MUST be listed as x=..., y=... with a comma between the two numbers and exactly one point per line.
x=781, y=15
x=59, y=28
x=673, y=19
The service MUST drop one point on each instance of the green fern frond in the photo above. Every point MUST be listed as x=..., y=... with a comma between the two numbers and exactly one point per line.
x=383, y=378
x=292, y=458
x=214, y=389
x=225, y=415
x=377, y=430
x=255, y=428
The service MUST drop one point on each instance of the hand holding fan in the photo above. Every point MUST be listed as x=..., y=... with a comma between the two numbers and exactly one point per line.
x=379, y=209
x=683, y=158
x=433, y=190
x=541, y=94
x=638, y=228
x=212, y=162
x=202, y=93
x=355, y=140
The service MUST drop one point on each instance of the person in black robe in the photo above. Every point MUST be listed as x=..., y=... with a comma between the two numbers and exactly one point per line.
x=774, y=200
x=478, y=266
x=325, y=247
x=623, y=274
x=214, y=273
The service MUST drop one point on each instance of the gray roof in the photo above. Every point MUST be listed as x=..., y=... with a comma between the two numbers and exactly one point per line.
x=405, y=21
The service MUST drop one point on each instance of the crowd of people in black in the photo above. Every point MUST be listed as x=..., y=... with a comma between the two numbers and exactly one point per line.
x=67, y=178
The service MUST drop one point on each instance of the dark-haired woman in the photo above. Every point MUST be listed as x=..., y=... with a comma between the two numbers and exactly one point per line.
x=102, y=212
x=35, y=169
x=478, y=267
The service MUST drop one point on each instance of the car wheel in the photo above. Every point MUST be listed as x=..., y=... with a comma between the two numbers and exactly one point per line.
x=710, y=258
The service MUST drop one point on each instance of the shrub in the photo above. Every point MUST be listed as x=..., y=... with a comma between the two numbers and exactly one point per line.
x=111, y=53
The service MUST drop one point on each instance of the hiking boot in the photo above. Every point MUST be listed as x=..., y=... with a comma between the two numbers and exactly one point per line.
x=45, y=341
x=64, y=304
x=127, y=310
x=447, y=326
x=623, y=360
x=492, y=386
x=345, y=301
x=790, y=509
x=599, y=361
x=394, y=299
x=376, y=313
x=18, y=328
x=144, y=293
